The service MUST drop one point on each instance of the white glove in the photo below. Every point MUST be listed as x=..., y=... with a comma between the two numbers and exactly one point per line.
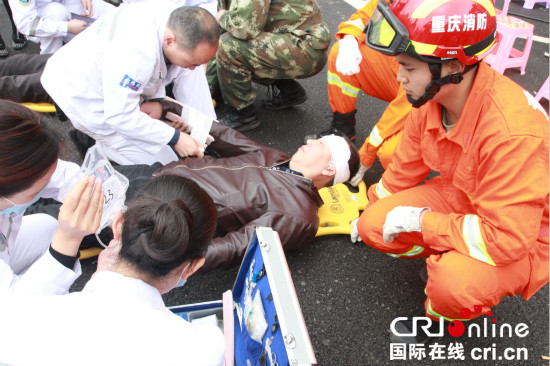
x=349, y=57
x=354, y=235
x=358, y=177
x=402, y=219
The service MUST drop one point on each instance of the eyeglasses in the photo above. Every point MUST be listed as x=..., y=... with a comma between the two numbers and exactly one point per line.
x=385, y=33
x=4, y=238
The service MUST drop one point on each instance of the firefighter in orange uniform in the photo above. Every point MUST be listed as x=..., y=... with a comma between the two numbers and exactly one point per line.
x=482, y=223
x=352, y=67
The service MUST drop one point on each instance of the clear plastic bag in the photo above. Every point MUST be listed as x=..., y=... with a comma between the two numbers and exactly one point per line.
x=114, y=185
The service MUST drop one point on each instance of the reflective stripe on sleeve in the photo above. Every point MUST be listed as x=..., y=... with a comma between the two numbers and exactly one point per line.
x=417, y=249
x=356, y=23
x=471, y=234
x=381, y=191
x=346, y=88
x=374, y=137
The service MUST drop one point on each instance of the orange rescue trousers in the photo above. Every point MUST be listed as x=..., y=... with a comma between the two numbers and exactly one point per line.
x=455, y=280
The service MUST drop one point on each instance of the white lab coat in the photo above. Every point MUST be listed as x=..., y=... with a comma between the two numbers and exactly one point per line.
x=115, y=320
x=25, y=263
x=46, y=21
x=100, y=78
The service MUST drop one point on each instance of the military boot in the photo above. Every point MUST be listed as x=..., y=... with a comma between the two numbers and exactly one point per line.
x=19, y=40
x=342, y=124
x=283, y=94
x=244, y=119
x=217, y=98
x=3, y=49
x=81, y=141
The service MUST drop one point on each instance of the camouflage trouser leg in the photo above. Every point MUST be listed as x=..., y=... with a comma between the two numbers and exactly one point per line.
x=212, y=75
x=268, y=57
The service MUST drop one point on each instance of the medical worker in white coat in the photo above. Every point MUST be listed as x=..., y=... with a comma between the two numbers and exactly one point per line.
x=108, y=80
x=54, y=22
x=30, y=169
x=158, y=243
x=190, y=86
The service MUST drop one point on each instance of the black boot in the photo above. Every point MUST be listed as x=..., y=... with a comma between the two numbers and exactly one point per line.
x=3, y=49
x=283, y=94
x=82, y=141
x=342, y=124
x=19, y=41
x=244, y=119
x=216, y=94
x=60, y=114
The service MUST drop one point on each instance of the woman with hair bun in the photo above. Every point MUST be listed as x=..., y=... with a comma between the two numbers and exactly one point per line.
x=158, y=243
x=30, y=168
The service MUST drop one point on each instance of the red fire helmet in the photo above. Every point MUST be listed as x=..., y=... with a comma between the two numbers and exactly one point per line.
x=434, y=30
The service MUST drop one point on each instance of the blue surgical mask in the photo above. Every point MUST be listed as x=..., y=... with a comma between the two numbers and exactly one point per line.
x=18, y=208
x=182, y=282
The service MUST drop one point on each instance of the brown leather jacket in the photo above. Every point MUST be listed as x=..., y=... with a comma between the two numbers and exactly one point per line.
x=247, y=193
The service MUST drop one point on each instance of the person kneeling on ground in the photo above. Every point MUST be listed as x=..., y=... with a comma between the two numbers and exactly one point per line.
x=272, y=43
x=121, y=74
x=158, y=243
x=482, y=223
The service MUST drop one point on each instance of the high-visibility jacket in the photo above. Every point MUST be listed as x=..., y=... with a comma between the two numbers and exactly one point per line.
x=377, y=78
x=496, y=160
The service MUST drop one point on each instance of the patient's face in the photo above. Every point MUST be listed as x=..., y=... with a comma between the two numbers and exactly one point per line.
x=312, y=158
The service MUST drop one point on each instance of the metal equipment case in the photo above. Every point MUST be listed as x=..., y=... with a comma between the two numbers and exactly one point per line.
x=264, y=273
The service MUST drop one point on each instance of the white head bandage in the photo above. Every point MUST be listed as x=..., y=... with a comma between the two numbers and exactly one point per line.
x=339, y=149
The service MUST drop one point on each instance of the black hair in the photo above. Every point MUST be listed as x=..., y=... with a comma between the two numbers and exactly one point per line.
x=28, y=147
x=170, y=221
x=193, y=25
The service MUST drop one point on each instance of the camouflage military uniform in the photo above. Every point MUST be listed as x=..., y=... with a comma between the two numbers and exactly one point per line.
x=266, y=41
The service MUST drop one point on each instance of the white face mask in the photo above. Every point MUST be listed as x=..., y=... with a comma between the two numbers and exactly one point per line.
x=181, y=282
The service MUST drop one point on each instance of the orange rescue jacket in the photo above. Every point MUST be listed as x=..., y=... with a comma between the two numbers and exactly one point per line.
x=496, y=160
